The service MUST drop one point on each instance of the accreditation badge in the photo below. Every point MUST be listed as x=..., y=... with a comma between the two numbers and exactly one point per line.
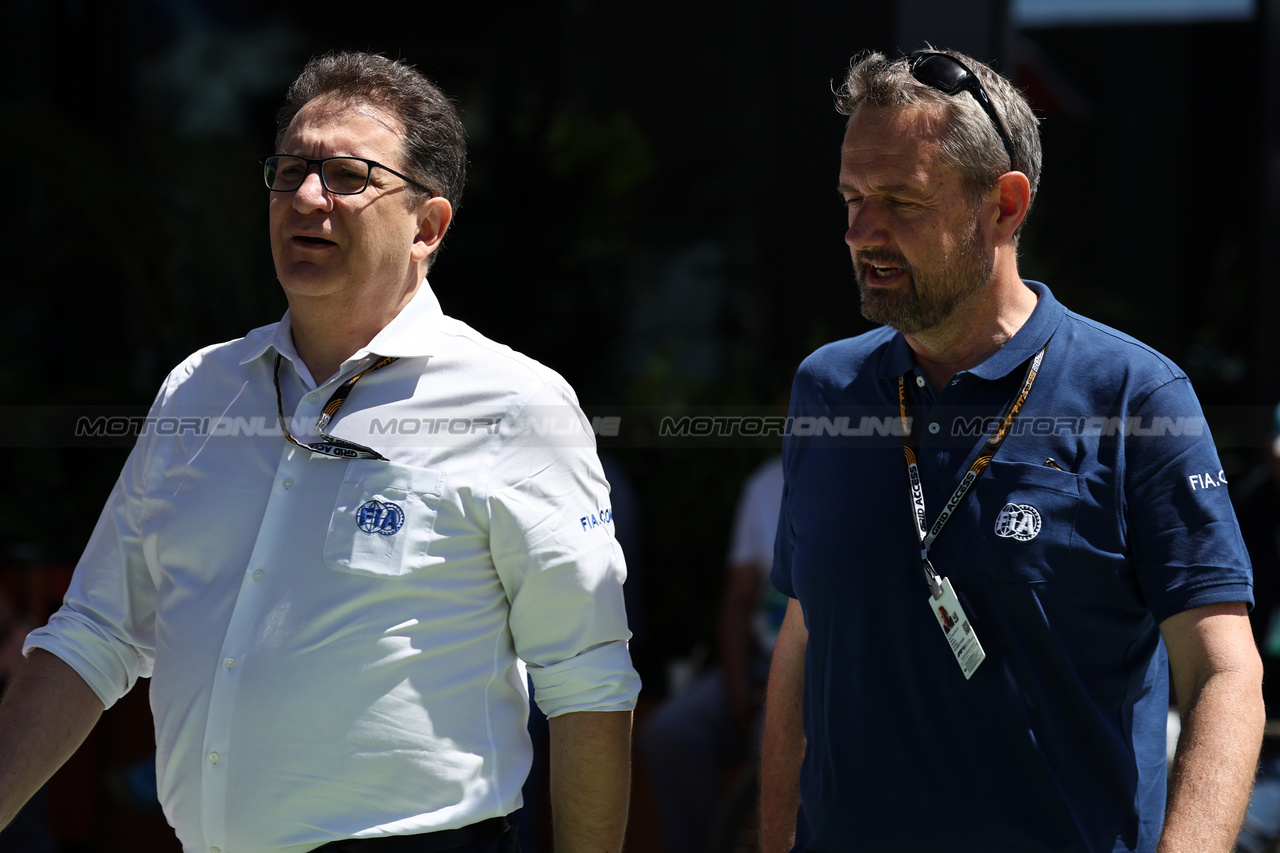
x=955, y=624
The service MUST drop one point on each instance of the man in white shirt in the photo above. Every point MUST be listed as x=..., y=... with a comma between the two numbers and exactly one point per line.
x=338, y=605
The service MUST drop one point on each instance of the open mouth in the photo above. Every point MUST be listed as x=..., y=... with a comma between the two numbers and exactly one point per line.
x=312, y=242
x=878, y=272
x=881, y=270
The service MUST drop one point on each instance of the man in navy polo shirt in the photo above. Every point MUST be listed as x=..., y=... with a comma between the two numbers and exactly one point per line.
x=1004, y=526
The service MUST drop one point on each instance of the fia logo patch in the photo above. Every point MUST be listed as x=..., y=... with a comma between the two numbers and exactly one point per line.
x=382, y=517
x=1018, y=521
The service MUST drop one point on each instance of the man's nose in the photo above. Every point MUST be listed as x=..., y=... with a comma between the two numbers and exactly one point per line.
x=866, y=226
x=311, y=195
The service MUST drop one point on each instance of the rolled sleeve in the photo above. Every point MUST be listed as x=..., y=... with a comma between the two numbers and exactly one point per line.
x=600, y=679
x=105, y=628
x=108, y=668
x=553, y=545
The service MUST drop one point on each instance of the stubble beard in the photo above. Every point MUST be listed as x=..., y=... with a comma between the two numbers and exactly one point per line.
x=931, y=296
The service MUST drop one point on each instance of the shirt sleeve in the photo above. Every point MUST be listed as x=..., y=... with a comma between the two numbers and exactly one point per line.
x=553, y=544
x=747, y=544
x=105, y=628
x=1186, y=542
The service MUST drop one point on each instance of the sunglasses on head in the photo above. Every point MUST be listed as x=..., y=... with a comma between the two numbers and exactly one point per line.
x=950, y=76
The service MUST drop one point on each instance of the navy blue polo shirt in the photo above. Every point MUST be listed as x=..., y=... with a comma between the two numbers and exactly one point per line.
x=1104, y=512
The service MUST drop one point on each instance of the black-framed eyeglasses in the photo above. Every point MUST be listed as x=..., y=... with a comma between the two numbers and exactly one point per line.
x=950, y=76
x=284, y=173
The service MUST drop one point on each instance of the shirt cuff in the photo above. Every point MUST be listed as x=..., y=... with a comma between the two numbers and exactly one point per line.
x=599, y=679
x=108, y=669
x=1174, y=603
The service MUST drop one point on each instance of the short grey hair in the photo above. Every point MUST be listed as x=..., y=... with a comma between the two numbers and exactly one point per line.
x=971, y=144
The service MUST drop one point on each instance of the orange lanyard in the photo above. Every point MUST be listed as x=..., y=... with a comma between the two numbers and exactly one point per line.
x=992, y=444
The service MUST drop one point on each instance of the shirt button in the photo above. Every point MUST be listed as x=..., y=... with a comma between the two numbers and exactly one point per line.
x=229, y=663
x=259, y=574
x=214, y=758
x=313, y=397
x=934, y=428
x=288, y=483
x=215, y=850
x=920, y=381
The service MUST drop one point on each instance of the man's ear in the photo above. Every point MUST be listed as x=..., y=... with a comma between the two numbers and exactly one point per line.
x=1013, y=199
x=434, y=216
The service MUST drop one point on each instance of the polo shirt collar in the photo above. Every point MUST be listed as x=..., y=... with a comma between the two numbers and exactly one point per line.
x=408, y=335
x=1026, y=342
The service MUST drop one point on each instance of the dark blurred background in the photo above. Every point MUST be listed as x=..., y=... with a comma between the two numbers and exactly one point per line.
x=651, y=210
x=651, y=207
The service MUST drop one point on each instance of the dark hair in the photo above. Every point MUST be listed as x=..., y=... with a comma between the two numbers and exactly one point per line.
x=435, y=148
x=972, y=145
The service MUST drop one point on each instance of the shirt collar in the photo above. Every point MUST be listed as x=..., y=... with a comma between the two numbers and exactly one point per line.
x=408, y=335
x=1026, y=342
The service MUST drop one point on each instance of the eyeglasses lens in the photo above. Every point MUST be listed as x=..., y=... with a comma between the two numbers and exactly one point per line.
x=284, y=173
x=346, y=176
x=341, y=175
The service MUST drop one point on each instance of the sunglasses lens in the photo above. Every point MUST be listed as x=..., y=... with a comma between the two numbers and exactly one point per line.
x=950, y=77
x=941, y=72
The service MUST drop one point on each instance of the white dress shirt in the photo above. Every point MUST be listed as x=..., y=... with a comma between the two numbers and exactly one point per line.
x=755, y=522
x=338, y=647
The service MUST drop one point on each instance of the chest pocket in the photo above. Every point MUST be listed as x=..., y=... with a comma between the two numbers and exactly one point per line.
x=1026, y=523
x=383, y=519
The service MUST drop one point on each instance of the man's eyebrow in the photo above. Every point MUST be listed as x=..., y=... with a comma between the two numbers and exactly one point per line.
x=907, y=190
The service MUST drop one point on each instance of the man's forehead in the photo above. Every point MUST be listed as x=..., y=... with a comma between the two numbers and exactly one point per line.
x=894, y=129
x=327, y=113
x=900, y=145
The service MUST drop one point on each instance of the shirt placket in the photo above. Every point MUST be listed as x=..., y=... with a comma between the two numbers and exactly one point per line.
x=252, y=601
x=942, y=446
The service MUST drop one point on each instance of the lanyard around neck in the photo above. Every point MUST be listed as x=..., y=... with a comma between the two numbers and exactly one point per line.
x=331, y=445
x=991, y=445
